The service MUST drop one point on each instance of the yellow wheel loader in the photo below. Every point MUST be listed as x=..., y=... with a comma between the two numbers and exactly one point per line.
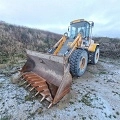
x=50, y=74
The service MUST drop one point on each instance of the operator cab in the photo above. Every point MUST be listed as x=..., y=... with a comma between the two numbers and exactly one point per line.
x=80, y=26
x=77, y=26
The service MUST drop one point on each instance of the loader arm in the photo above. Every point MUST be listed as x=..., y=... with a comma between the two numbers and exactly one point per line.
x=64, y=43
x=59, y=45
x=75, y=44
x=55, y=49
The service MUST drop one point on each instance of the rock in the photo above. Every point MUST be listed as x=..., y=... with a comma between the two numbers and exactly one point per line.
x=15, y=77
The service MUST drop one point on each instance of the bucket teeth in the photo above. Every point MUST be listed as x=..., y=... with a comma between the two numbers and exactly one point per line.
x=39, y=84
x=28, y=85
x=32, y=89
x=22, y=79
x=37, y=93
x=50, y=105
x=42, y=98
x=23, y=83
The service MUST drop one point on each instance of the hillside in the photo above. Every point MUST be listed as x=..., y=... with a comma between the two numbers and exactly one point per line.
x=15, y=39
x=109, y=47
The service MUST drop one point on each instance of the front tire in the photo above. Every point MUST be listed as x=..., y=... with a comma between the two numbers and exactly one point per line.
x=78, y=62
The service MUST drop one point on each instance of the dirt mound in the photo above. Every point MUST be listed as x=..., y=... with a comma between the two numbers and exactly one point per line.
x=109, y=47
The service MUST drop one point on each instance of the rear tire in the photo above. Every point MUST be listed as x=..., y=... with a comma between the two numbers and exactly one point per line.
x=78, y=62
x=94, y=56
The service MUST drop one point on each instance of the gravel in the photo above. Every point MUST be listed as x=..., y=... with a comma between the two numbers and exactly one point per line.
x=94, y=96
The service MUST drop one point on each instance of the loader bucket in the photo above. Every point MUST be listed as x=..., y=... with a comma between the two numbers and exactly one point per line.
x=48, y=75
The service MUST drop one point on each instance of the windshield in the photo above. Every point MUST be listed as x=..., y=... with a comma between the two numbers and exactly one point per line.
x=81, y=27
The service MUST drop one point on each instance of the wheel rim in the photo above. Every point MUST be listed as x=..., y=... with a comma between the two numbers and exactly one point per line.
x=82, y=63
x=96, y=56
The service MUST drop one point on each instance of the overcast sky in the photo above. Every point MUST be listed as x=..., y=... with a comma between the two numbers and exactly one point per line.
x=55, y=15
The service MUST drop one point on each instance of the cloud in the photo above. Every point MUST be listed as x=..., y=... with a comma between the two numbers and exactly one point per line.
x=55, y=15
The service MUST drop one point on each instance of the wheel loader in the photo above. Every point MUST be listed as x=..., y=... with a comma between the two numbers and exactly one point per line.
x=50, y=74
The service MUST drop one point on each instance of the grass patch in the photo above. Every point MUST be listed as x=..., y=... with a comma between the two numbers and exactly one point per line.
x=54, y=116
x=103, y=72
x=114, y=116
x=87, y=100
x=117, y=113
x=110, y=116
x=39, y=110
x=116, y=93
x=75, y=109
x=6, y=117
x=83, y=118
x=0, y=99
x=32, y=114
x=1, y=84
x=71, y=102
x=28, y=98
x=91, y=72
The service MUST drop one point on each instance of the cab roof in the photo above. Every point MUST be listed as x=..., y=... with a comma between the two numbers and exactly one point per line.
x=78, y=20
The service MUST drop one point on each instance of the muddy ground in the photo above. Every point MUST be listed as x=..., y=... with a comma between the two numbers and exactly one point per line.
x=94, y=96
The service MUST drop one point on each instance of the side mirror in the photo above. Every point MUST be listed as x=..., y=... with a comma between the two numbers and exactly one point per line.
x=92, y=24
x=68, y=28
